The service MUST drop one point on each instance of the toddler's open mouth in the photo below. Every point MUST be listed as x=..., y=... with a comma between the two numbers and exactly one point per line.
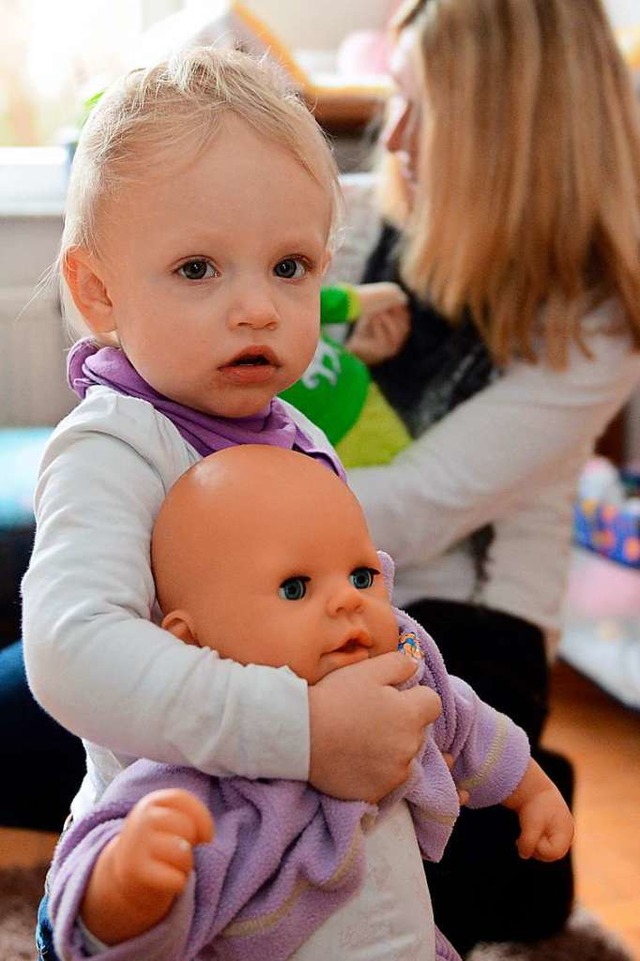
x=254, y=365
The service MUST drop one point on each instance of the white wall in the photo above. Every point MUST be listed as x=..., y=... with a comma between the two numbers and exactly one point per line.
x=623, y=13
x=305, y=25
x=322, y=26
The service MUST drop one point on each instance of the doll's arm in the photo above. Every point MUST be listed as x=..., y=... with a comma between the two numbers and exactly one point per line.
x=139, y=873
x=546, y=824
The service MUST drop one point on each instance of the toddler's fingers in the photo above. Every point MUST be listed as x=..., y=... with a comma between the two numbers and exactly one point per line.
x=392, y=668
x=425, y=702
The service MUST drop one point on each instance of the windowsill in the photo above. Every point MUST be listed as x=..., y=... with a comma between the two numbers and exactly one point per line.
x=33, y=181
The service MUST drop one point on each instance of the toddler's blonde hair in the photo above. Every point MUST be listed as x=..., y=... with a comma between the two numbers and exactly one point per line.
x=149, y=116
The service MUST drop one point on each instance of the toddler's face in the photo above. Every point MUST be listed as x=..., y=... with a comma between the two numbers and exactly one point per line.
x=213, y=273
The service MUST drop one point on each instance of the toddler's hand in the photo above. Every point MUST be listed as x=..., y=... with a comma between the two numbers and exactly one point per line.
x=140, y=872
x=364, y=732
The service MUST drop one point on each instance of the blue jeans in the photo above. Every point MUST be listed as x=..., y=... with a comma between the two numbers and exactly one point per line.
x=44, y=933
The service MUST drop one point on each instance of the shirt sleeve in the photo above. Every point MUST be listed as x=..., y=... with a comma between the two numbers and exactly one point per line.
x=94, y=658
x=509, y=440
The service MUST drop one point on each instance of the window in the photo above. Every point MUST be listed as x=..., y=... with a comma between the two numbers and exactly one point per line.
x=54, y=55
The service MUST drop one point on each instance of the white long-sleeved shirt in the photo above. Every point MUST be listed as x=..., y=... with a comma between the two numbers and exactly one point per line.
x=98, y=663
x=95, y=660
x=509, y=456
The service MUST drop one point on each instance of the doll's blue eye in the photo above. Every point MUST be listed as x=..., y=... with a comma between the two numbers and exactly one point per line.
x=363, y=577
x=293, y=589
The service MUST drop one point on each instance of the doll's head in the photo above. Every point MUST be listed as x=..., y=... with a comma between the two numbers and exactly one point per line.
x=263, y=555
x=200, y=219
x=516, y=138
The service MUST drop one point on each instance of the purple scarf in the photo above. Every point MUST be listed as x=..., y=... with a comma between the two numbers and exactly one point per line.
x=89, y=364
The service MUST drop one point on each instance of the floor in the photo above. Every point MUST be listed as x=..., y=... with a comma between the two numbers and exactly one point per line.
x=603, y=740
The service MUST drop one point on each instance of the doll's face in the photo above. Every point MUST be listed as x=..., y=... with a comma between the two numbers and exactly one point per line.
x=276, y=567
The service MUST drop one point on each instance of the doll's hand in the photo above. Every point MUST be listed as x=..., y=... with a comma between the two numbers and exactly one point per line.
x=546, y=823
x=546, y=827
x=365, y=733
x=377, y=337
x=463, y=795
x=140, y=872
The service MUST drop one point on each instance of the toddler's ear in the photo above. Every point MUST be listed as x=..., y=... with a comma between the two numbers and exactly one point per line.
x=388, y=571
x=179, y=624
x=87, y=287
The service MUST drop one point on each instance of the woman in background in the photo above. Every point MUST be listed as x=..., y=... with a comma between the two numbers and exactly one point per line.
x=512, y=218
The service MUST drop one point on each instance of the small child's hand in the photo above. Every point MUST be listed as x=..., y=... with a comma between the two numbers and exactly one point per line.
x=546, y=823
x=376, y=298
x=365, y=733
x=139, y=874
x=384, y=323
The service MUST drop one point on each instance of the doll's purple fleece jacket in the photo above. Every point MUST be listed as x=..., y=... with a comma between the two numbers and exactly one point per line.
x=285, y=857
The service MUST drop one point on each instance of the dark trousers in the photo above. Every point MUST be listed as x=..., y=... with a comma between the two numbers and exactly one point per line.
x=42, y=764
x=482, y=890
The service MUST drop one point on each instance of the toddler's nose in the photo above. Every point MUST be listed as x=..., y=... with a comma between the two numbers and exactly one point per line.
x=253, y=307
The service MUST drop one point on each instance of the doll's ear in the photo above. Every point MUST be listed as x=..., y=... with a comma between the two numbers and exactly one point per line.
x=180, y=625
x=83, y=276
x=388, y=571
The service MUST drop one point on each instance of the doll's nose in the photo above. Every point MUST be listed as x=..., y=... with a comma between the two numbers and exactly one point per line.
x=345, y=599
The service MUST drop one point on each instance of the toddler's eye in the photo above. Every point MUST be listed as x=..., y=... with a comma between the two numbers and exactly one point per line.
x=197, y=269
x=363, y=577
x=293, y=589
x=290, y=268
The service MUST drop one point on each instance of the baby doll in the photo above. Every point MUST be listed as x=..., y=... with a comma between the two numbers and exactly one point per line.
x=263, y=555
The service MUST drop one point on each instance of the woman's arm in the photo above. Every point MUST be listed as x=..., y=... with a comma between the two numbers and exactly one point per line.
x=496, y=448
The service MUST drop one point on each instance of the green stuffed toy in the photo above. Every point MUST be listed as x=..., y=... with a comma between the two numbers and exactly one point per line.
x=337, y=393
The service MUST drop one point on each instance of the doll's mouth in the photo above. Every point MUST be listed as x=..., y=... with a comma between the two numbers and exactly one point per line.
x=354, y=644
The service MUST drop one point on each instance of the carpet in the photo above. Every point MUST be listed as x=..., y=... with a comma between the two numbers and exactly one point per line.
x=584, y=939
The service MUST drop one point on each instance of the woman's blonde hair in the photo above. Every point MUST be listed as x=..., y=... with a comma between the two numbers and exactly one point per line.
x=528, y=192
x=149, y=116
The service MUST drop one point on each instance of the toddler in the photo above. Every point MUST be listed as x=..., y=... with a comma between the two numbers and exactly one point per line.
x=200, y=218
x=264, y=557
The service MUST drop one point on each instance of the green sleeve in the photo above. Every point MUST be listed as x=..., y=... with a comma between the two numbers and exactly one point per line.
x=339, y=304
x=332, y=391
